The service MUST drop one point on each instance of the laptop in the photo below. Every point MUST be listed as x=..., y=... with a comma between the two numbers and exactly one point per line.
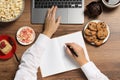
x=71, y=11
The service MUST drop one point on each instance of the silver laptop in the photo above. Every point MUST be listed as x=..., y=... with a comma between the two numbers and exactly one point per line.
x=71, y=11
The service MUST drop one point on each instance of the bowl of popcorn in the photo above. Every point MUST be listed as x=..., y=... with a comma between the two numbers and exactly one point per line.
x=10, y=10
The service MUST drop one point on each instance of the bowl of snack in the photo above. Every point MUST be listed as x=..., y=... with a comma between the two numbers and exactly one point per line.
x=96, y=32
x=111, y=3
x=10, y=10
x=25, y=35
x=7, y=47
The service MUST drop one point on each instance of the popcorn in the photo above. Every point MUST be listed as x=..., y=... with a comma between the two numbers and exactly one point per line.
x=10, y=9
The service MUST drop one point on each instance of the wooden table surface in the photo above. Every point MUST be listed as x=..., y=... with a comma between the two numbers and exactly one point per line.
x=106, y=57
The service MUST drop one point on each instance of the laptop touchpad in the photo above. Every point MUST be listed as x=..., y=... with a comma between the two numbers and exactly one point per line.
x=76, y=16
x=64, y=15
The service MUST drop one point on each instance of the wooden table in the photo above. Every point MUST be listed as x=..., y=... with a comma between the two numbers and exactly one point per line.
x=106, y=57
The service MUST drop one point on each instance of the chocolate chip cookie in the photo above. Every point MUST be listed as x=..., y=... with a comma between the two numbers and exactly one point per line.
x=98, y=42
x=91, y=39
x=102, y=34
x=89, y=32
x=92, y=26
x=101, y=26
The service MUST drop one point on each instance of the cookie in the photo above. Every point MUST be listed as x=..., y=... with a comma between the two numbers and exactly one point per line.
x=89, y=32
x=98, y=42
x=92, y=26
x=101, y=26
x=91, y=39
x=102, y=34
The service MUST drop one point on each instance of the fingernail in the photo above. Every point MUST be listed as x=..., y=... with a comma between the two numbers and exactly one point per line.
x=65, y=45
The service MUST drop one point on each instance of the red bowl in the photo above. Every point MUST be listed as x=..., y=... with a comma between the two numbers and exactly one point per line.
x=11, y=53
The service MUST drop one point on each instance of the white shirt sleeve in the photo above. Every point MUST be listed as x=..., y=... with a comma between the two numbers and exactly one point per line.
x=92, y=72
x=31, y=59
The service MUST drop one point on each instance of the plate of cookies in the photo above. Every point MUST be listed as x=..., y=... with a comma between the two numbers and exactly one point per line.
x=96, y=32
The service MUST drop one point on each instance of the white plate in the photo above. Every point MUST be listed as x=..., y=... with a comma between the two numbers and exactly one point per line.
x=97, y=22
x=19, y=38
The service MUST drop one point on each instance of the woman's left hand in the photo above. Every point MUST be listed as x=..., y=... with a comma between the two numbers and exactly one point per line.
x=51, y=24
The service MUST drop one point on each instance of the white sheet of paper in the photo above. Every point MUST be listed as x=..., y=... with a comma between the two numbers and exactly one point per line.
x=55, y=60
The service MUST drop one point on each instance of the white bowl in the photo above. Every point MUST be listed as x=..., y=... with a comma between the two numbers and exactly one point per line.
x=109, y=5
x=30, y=34
x=97, y=22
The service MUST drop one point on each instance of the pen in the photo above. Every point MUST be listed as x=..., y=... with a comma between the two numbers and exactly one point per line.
x=72, y=51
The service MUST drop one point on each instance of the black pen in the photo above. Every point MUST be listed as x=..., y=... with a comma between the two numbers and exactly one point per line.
x=72, y=51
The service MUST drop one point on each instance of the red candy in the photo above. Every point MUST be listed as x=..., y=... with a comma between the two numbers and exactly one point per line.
x=2, y=45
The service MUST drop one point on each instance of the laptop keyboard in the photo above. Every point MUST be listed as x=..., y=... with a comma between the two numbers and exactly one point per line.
x=59, y=3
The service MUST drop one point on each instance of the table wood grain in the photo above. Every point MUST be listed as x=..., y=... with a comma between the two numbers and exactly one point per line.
x=106, y=57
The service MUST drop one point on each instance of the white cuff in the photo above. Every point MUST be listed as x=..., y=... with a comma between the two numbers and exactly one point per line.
x=89, y=69
x=92, y=72
x=42, y=40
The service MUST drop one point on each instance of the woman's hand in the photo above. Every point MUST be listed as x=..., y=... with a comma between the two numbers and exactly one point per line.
x=81, y=59
x=51, y=24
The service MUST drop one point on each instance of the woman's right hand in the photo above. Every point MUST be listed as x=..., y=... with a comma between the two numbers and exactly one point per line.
x=81, y=59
